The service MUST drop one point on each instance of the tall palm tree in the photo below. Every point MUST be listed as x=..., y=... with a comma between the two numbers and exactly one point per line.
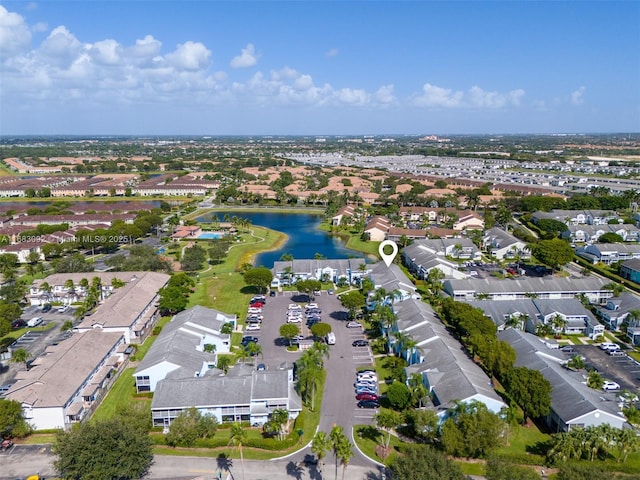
x=237, y=438
x=418, y=391
x=320, y=445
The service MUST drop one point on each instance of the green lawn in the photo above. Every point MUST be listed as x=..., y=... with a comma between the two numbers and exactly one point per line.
x=122, y=392
x=368, y=437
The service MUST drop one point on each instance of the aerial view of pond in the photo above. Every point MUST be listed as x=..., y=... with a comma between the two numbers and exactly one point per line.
x=305, y=240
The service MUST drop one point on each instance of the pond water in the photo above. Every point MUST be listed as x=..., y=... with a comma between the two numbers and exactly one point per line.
x=305, y=240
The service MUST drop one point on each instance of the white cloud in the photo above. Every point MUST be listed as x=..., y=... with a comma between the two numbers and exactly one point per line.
x=106, y=52
x=61, y=47
x=577, y=97
x=15, y=36
x=434, y=96
x=146, y=48
x=332, y=53
x=475, y=97
x=246, y=59
x=384, y=95
x=190, y=56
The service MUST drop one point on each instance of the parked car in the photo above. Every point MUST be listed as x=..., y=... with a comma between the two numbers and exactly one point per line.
x=63, y=308
x=261, y=367
x=354, y=325
x=609, y=346
x=46, y=308
x=272, y=293
x=367, y=375
x=4, y=389
x=6, y=444
x=330, y=291
x=294, y=319
x=368, y=404
x=366, y=389
x=568, y=349
x=128, y=350
x=247, y=339
x=311, y=305
x=367, y=396
x=609, y=385
x=360, y=343
x=16, y=324
x=253, y=327
x=294, y=306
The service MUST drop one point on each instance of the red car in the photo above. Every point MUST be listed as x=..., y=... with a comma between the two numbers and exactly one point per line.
x=367, y=396
x=257, y=304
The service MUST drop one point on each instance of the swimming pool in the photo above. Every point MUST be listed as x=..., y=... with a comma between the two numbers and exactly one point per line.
x=209, y=236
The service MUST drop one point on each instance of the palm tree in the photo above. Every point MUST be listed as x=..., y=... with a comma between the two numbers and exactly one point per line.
x=320, y=445
x=20, y=356
x=237, y=438
x=341, y=447
x=558, y=322
x=418, y=390
x=626, y=441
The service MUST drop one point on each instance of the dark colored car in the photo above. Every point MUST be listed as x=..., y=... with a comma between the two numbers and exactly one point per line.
x=247, y=339
x=368, y=404
x=367, y=396
x=46, y=308
x=16, y=324
x=360, y=343
x=272, y=293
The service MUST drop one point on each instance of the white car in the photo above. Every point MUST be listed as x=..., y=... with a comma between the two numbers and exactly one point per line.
x=254, y=310
x=608, y=346
x=294, y=320
x=609, y=385
x=294, y=306
x=252, y=327
x=311, y=305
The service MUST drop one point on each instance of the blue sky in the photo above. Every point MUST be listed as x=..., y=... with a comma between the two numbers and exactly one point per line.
x=318, y=67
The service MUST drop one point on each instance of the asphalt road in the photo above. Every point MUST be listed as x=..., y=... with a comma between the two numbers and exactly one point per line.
x=23, y=461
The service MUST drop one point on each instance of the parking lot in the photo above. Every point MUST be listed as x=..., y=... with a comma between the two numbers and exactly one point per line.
x=36, y=339
x=623, y=369
x=339, y=402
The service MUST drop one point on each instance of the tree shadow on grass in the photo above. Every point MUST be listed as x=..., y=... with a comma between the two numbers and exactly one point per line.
x=368, y=432
x=250, y=290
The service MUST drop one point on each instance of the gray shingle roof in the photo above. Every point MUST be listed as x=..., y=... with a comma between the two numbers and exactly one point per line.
x=570, y=398
x=179, y=338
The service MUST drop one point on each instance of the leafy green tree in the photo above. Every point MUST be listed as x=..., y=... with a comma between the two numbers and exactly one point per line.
x=109, y=448
x=288, y=331
x=399, y=396
x=190, y=426
x=530, y=390
x=423, y=462
x=423, y=424
x=472, y=430
x=309, y=286
x=172, y=300
x=72, y=264
x=387, y=420
x=610, y=237
x=12, y=421
x=352, y=301
x=554, y=252
x=498, y=469
x=277, y=422
x=320, y=329
x=260, y=277
x=193, y=258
